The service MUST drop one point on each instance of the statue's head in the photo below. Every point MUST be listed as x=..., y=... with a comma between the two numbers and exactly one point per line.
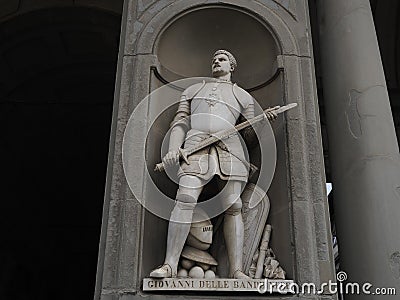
x=223, y=62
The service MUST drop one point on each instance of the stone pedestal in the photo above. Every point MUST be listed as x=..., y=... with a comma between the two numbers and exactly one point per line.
x=363, y=147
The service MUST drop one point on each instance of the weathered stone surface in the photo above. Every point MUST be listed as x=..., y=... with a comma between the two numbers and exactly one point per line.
x=142, y=5
x=316, y=163
x=119, y=188
x=305, y=246
x=289, y=5
x=130, y=245
x=298, y=156
x=321, y=231
x=111, y=256
x=109, y=297
x=309, y=89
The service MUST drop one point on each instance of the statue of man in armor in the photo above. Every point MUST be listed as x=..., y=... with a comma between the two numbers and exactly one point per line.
x=204, y=109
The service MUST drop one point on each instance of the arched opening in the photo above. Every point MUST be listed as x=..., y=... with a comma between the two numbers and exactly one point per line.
x=184, y=49
x=56, y=93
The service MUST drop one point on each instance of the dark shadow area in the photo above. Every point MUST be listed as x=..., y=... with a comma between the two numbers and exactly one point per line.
x=387, y=25
x=57, y=72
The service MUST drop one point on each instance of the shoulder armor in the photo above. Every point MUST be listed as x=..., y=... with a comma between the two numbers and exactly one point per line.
x=243, y=97
x=193, y=90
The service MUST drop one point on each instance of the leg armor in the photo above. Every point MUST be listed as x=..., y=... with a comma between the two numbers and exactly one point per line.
x=234, y=231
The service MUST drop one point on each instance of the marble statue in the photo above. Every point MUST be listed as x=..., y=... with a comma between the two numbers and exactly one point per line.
x=204, y=109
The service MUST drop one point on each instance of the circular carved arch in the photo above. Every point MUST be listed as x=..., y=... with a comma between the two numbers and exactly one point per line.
x=152, y=23
x=184, y=48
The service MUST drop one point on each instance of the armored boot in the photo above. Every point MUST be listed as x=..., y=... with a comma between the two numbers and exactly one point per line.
x=178, y=231
x=234, y=236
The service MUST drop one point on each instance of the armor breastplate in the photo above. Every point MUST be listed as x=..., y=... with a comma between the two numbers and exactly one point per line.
x=214, y=108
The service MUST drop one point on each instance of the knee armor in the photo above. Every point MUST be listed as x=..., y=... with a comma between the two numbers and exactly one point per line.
x=236, y=207
x=185, y=202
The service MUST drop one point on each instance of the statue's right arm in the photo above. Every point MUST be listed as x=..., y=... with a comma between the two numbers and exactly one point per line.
x=177, y=138
x=180, y=125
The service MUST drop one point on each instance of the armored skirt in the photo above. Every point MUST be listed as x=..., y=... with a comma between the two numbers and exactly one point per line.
x=226, y=158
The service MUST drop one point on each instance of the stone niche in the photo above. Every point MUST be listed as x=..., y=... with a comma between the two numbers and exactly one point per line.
x=184, y=49
x=164, y=43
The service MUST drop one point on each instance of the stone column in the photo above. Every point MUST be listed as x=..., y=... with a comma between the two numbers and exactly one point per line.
x=363, y=147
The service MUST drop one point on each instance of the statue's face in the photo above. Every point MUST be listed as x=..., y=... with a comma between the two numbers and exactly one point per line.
x=221, y=65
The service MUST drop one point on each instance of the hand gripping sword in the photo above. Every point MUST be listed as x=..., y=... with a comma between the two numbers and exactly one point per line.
x=223, y=134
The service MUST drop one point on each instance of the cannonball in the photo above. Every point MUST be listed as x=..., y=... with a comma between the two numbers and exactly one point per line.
x=205, y=267
x=186, y=263
x=183, y=273
x=209, y=274
x=196, y=272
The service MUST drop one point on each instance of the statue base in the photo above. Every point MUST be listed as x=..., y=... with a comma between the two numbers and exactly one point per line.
x=219, y=285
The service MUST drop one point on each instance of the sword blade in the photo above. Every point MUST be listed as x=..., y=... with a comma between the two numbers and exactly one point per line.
x=220, y=135
x=228, y=132
x=286, y=107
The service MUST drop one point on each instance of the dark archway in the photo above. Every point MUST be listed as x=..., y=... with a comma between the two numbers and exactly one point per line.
x=387, y=20
x=56, y=92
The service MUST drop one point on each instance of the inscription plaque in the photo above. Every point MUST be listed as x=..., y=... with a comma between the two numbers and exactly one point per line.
x=220, y=285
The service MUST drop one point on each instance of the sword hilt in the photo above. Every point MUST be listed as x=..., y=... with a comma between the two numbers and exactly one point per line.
x=160, y=167
x=183, y=155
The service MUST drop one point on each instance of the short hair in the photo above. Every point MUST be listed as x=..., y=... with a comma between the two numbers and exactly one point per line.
x=231, y=58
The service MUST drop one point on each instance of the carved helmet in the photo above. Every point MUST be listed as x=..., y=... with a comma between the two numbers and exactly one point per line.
x=201, y=232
